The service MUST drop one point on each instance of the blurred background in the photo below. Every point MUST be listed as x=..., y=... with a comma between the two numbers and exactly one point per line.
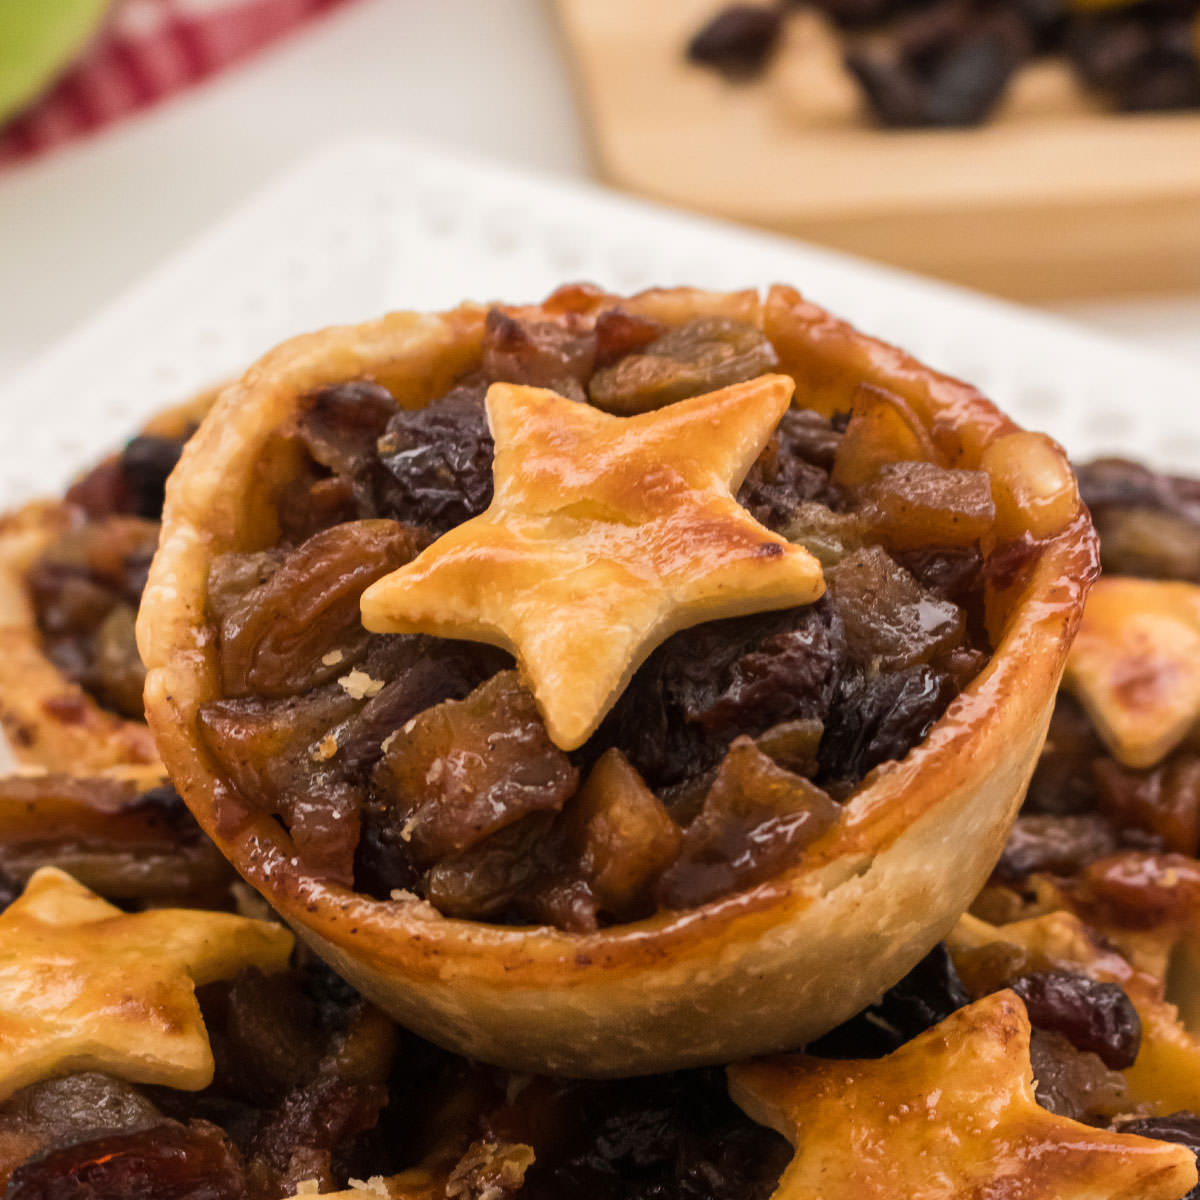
x=1047, y=150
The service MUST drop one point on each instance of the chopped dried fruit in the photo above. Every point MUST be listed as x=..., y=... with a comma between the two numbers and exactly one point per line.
x=623, y=836
x=891, y=622
x=439, y=461
x=1091, y=1015
x=275, y=641
x=738, y=41
x=914, y=505
x=166, y=1162
x=701, y=356
x=755, y=821
x=466, y=768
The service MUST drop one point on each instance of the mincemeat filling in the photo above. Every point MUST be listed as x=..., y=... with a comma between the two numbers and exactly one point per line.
x=413, y=765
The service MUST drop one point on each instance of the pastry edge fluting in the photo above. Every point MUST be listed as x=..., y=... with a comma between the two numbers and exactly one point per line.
x=674, y=989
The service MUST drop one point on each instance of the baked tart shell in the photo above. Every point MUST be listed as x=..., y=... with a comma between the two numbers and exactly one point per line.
x=49, y=722
x=768, y=968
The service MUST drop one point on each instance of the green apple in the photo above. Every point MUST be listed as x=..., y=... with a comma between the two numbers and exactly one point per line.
x=38, y=38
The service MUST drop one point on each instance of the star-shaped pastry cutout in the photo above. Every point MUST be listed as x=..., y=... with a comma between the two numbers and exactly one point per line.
x=87, y=987
x=1165, y=1078
x=606, y=535
x=1135, y=666
x=950, y=1115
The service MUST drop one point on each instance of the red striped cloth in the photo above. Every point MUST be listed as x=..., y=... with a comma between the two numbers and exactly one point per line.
x=148, y=50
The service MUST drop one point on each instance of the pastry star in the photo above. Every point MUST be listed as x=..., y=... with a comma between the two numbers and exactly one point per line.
x=950, y=1115
x=85, y=986
x=1135, y=666
x=606, y=535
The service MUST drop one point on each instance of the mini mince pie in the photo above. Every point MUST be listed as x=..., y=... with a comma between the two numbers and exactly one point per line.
x=71, y=576
x=578, y=679
x=1110, y=828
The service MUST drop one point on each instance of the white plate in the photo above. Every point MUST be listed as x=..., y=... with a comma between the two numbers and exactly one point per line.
x=377, y=224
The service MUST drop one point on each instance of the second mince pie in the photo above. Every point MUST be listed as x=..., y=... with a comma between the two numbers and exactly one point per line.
x=578, y=678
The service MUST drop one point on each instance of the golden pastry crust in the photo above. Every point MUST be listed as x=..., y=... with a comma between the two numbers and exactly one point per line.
x=48, y=721
x=1135, y=666
x=514, y=575
x=949, y=1115
x=85, y=986
x=802, y=951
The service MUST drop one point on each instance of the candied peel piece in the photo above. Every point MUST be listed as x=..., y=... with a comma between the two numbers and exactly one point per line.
x=702, y=355
x=621, y=834
x=755, y=821
x=465, y=769
x=604, y=537
x=950, y=1114
x=1135, y=666
x=912, y=505
x=883, y=429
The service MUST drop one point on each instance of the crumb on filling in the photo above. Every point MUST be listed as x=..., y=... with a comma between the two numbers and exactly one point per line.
x=421, y=765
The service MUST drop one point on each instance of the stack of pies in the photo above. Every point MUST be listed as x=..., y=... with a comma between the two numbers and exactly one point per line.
x=622, y=700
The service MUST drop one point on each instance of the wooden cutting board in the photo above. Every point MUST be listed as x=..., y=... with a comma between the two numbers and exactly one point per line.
x=1052, y=199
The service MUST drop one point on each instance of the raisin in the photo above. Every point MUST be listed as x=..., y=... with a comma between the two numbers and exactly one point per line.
x=548, y=354
x=494, y=874
x=705, y=685
x=313, y=1121
x=1149, y=544
x=146, y=462
x=1164, y=801
x=973, y=75
x=1073, y=1083
x=619, y=333
x=664, y=1137
x=1183, y=1128
x=302, y=626
x=877, y=718
x=897, y=95
x=1090, y=1014
x=142, y=848
x=738, y=41
x=927, y=995
x=340, y=427
x=1058, y=845
x=793, y=469
x=438, y=461
x=701, y=356
x=166, y=1162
